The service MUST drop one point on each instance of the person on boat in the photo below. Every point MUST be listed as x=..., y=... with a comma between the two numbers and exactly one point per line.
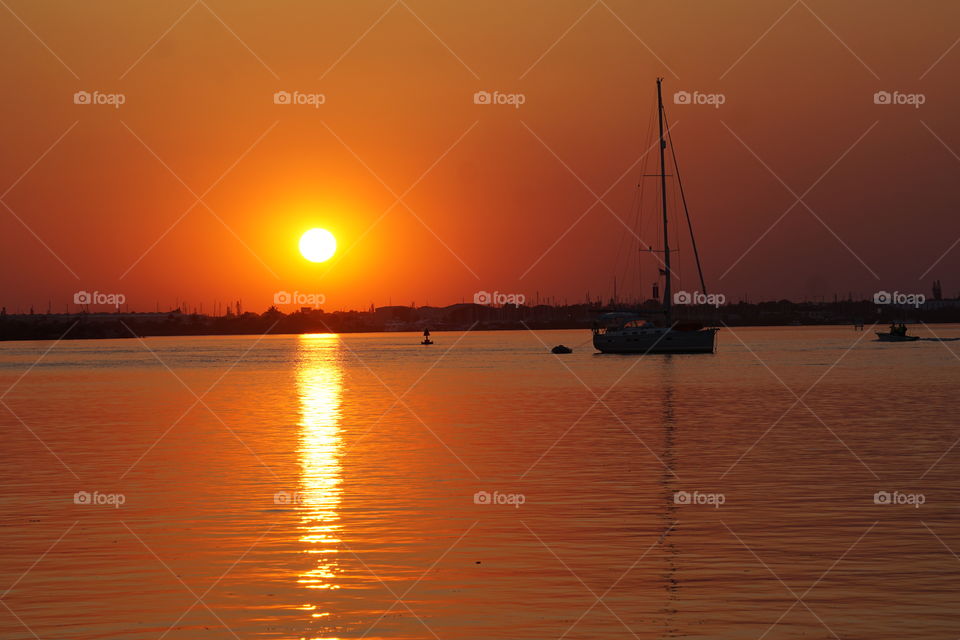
x=426, y=334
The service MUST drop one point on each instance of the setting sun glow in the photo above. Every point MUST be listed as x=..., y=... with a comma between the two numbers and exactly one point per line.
x=318, y=245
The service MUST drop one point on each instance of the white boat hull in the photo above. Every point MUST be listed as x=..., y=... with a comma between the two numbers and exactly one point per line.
x=655, y=340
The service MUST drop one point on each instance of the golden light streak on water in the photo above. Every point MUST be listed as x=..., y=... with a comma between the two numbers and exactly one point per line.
x=319, y=388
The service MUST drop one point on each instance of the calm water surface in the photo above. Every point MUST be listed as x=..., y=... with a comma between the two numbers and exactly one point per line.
x=326, y=486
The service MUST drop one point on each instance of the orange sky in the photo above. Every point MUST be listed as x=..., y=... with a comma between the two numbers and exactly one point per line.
x=98, y=211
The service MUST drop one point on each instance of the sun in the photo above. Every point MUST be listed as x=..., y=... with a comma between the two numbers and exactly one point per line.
x=318, y=245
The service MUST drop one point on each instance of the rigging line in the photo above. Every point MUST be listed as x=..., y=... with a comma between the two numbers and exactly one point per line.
x=634, y=260
x=624, y=244
x=631, y=269
x=625, y=239
x=678, y=269
x=637, y=212
x=628, y=241
x=621, y=243
x=683, y=198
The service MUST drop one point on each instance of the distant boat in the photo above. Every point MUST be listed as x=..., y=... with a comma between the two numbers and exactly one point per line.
x=628, y=332
x=897, y=333
x=426, y=337
x=886, y=337
x=561, y=349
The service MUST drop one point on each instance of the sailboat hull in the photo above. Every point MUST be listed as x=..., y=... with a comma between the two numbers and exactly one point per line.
x=655, y=340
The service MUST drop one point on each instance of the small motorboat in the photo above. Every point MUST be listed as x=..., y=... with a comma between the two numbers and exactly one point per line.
x=427, y=341
x=897, y=333
x=889, y=337
x=561, y=349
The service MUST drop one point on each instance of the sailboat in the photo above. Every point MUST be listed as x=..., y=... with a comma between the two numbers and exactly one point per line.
x=624, y=332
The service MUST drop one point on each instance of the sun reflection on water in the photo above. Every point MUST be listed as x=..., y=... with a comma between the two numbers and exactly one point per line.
x=319, y=387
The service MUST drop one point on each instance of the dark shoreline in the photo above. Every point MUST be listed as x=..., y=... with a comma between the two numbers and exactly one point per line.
x=460, y=317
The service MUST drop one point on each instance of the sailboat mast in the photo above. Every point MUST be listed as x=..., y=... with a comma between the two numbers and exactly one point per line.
x=667, y=291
